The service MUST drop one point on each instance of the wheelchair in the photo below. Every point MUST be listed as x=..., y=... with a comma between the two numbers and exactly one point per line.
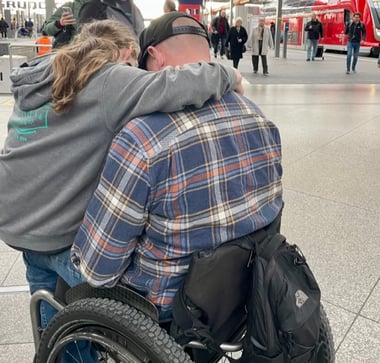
x=120, y=325
x=123, y=326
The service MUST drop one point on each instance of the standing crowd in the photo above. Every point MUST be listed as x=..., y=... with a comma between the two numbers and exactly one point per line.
x=235, y=40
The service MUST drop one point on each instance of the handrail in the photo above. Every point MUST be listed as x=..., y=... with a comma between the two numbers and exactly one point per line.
x=12, y=45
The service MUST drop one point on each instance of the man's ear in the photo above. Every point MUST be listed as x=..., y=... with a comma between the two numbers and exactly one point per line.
x=156, y=59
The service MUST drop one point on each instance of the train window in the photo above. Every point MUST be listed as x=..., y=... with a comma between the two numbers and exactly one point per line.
x=347, y=16
x=375, y=9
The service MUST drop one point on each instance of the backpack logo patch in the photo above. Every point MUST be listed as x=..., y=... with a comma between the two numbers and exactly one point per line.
x=301, y=298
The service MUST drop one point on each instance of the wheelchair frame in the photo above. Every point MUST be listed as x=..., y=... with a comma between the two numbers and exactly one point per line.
x=49, y=297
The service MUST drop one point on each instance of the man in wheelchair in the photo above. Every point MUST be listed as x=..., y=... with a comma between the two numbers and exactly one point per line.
x=178, y=183
x=174, y=190
x=174, y=184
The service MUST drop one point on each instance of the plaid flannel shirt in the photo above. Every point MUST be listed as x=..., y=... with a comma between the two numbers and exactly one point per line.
x=174, y=184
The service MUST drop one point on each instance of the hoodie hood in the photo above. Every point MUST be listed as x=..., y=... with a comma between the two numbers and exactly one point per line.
x=32, y=83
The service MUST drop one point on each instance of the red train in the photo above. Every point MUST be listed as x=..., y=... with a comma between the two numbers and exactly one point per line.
x=333, y=14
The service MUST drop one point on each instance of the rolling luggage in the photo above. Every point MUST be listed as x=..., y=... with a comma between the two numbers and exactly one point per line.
x=320, y=51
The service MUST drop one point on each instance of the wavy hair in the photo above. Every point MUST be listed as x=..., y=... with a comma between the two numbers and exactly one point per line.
x=97, y=44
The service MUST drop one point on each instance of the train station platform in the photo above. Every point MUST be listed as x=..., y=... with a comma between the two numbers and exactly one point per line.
x=330, y=129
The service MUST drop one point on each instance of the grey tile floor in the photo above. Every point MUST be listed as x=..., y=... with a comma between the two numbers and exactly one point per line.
x=330, y=127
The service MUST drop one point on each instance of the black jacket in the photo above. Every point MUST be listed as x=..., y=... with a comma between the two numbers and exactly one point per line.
x=232, y=39
x=124, y=11
x=216, y=24
x=314, y=29
x=356, y=32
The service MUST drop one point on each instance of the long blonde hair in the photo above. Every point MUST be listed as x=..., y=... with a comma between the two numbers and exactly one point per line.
x=97, y=44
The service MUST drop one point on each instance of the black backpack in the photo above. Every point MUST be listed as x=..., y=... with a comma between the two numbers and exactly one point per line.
x=281, y=307
x=123, y=11
x=284, y=306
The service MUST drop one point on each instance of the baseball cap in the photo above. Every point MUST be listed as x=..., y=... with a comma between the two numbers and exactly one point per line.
x=162, y=28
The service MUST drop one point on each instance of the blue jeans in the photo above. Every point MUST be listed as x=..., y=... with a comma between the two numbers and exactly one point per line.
x=311, y=43
x=42, y=272
x=352, y=47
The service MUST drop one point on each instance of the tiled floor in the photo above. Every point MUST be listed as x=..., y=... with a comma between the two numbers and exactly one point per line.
x=330, y=127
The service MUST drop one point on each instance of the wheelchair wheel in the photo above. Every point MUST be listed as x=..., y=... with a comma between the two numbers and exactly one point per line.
x=109, y=330
x=326, y=351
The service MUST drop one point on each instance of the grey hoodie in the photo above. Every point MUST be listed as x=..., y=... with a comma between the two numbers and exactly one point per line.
x=50, y=163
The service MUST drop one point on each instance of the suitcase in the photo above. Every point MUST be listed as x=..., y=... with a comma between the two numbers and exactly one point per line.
x=320, y=50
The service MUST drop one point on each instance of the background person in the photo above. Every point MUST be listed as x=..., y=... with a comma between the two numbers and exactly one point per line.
x=44, y=39
x=62, y=25
x=356, y=34
x=14, y=25
x=124, y=11
x=378, y=61
x=4, y=28
x=236, y=39
x=169, y=6
x=273, y=30
x=178, y=183
x=260, y=40
x=67, y=110
x=314, y=31
x=29, y=26
x=220, y=29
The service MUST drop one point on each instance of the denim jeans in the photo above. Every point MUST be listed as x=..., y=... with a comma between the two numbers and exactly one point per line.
x=222, y=39
x=311, y=43
x=352, y=47
x=42, y=271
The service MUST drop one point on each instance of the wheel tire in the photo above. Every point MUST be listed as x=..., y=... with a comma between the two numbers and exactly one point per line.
x=109, y=321
x=326, y=351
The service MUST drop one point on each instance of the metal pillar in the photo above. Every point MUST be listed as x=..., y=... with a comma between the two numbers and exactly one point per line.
x=231, y=12
x=50, y=6
x=278, y=28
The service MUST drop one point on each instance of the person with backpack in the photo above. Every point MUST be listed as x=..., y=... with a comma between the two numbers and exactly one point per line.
x=356, y=34
x=65, y=21
x=62, y=25
x=177, y=183
x=124, y=11
x=314, y=31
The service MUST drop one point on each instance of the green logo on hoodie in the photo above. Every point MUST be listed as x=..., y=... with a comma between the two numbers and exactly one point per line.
x=26, y=123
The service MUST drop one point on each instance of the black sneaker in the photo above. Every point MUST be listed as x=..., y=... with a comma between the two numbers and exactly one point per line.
x=308, y=60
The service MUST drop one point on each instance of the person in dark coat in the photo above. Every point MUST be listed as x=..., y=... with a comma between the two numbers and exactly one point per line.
x=220, y=29
x=3, y=28
x=314, y=31
x=236, y=39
